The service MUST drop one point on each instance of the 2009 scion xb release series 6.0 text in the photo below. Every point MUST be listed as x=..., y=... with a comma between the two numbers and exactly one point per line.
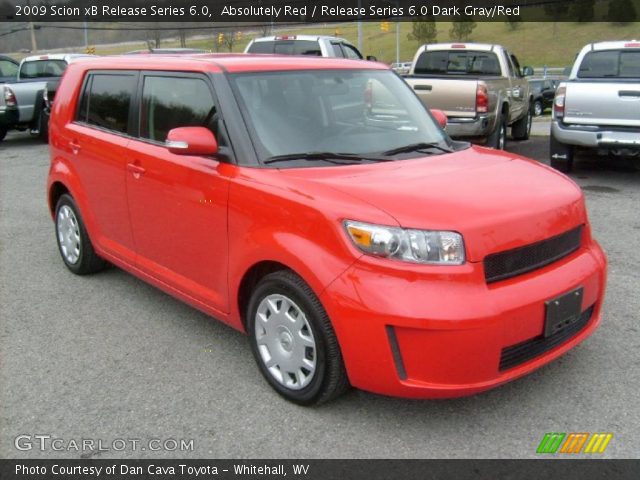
x=317, y=205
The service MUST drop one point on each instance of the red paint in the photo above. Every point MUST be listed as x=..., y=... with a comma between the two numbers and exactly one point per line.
x=194, y=227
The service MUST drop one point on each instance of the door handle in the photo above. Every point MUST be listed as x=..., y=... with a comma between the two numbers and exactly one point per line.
x=75, y=147
x=136, y=170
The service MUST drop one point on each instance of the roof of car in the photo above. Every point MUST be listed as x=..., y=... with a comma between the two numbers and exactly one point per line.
x=230, y=62
x=271, y=38
x=56, y=56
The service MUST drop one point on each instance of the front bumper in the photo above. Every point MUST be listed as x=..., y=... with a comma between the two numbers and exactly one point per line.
x=480, y=126
x=8, y=117
x=592, y=136
x=442, y=334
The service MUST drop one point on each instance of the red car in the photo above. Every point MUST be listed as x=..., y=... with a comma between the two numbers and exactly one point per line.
x=316, y=205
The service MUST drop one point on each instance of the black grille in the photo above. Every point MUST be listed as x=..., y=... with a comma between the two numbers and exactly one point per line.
x=507, y=264
x=522, y=352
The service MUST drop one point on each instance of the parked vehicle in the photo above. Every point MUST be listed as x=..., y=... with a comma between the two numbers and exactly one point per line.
x=35, y=85
x=314, y=45
x=318, y=206
x=8, y=110
x=402, y=68
x=598, y=107
x=481, y=88
x=8, y=69
x=542, y=93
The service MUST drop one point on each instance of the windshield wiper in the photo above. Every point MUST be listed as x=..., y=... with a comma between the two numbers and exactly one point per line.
x=330, y=157
x=417, y=147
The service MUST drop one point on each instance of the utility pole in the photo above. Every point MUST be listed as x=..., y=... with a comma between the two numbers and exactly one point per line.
x=397, y=42
x=34, y=45
x=86, y=35
x=359, y=28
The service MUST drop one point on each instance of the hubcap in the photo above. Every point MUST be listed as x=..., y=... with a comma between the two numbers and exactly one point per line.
x=529, y=122
x=285, y=341
x=68, y=234
x=503, y=135
x=538, y=109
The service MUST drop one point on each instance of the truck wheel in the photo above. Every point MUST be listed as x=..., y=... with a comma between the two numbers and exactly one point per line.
x=498, y=139
x=293, y=341
x=522, y=128
x=3, y=133
x=43, y=127
x=537, y=108
x=560, y=155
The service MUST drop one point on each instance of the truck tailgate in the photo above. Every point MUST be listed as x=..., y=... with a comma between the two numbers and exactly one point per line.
x=603, y=103
x=455, y=97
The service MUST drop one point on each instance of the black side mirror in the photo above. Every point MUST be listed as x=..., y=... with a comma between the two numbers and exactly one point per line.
x=371, y=58
x=527, y=71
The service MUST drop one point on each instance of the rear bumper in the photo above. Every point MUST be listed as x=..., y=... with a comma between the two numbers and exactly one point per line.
x=477, y=127
x=595, y=137
x=440, y=335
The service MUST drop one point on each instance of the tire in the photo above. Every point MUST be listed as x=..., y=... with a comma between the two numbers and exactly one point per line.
x=3, y=133
x=300, y=339
x=522, y=128
x=73, y=241
x=43, y=127
x=498, y=139
x=560, y=155
x=538, y=108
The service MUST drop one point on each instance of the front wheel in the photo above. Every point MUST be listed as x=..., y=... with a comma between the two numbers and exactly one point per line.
x=537, y=108
x=73, y=241
x=522, y=128
x=293, y=341
x=498, y=139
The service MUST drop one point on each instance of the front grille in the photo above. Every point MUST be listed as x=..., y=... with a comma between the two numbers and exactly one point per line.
x=522, y=352
x=507, y=264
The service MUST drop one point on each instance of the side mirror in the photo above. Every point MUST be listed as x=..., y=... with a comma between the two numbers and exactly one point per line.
x=440, y=117
x=527, y=71
x=371, y=58
x=191, y=141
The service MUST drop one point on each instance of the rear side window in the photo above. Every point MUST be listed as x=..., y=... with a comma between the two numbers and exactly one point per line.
x=106, y=100
x=287, y=47
x=351, y=52
x=172, y=102
x=611, y=63
x=261, y=47
x=43, y=69
x=8, y=69
x=337, y=50
x=463, y=62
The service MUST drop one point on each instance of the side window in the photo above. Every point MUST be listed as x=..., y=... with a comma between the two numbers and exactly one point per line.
x=172, y=102
x=8, y=69
x=105, y=101
x=261, y=47
x=516, y=65
x=337, y=50
x=512, y=73
x=351, y=52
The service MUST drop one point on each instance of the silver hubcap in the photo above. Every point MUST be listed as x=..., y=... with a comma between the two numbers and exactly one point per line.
x=285, y=341
x=503, y=135
x=68, y=234
x=538, y=109
x=529, y=122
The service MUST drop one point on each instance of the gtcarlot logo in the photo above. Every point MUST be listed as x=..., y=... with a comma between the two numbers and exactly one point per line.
x=44, y=442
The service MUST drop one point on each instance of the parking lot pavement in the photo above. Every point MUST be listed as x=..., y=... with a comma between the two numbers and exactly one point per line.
x=541, y=126
x=110, y=357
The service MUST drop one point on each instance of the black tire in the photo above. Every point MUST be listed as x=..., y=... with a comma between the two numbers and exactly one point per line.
x=521, y=129
x=560, y=155
x=329, y=380
x=3, y=133
x=87, y=259
x=43, y=126
x=538, y=108
x=498, y=139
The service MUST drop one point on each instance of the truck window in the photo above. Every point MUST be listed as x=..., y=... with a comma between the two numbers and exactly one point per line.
x=516, y=65
x=172, y=102
x=337, y=50
x=610, y=63
x=464, y=62
x=8, y=69
x=105, y=101
x=297, y=47
x=261, y=47
x=351, y=52
x=42, y=69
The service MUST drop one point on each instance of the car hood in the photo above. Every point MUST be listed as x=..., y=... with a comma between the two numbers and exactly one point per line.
x=496, y=200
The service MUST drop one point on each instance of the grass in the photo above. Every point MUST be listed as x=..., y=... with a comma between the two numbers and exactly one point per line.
x=534, y=43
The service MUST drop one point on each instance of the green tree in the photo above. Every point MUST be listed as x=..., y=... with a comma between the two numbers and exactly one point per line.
x=461, y=30
x=582, y=10
x=622, y=12
x=424, y=31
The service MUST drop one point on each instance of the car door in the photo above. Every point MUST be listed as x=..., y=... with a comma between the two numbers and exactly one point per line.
x=178, y=203
x=96, y=144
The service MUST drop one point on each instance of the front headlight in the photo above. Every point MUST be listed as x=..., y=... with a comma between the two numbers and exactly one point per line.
x=418, y=246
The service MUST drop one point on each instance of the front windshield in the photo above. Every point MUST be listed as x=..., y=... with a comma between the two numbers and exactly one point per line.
x=358, y=112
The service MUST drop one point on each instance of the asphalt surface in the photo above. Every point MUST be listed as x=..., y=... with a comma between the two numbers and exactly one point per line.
x=109, y=357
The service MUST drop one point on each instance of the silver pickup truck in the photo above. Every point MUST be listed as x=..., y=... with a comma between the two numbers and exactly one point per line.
x=480, y=87
x=27, y=93
x=598, y=107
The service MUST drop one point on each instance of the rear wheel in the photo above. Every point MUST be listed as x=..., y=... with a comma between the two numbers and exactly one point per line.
x=293, y=341
x=498, y=139
x=560, y=155
x=522, y=128
x=3, y=133
x=537, y=108
x=73, y=241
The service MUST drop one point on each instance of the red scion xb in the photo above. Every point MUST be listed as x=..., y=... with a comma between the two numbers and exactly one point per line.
x=316, y=205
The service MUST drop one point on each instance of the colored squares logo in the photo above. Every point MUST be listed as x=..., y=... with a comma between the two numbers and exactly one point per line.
x=574, y=443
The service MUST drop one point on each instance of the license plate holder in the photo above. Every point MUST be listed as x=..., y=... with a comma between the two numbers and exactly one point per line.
x=563, y=311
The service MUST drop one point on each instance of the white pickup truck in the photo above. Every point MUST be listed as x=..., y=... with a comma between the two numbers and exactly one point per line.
x=480, y=87
x=598, y=107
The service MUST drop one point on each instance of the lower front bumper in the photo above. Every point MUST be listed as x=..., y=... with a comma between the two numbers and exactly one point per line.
x=438, y=336
x=594, y=137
